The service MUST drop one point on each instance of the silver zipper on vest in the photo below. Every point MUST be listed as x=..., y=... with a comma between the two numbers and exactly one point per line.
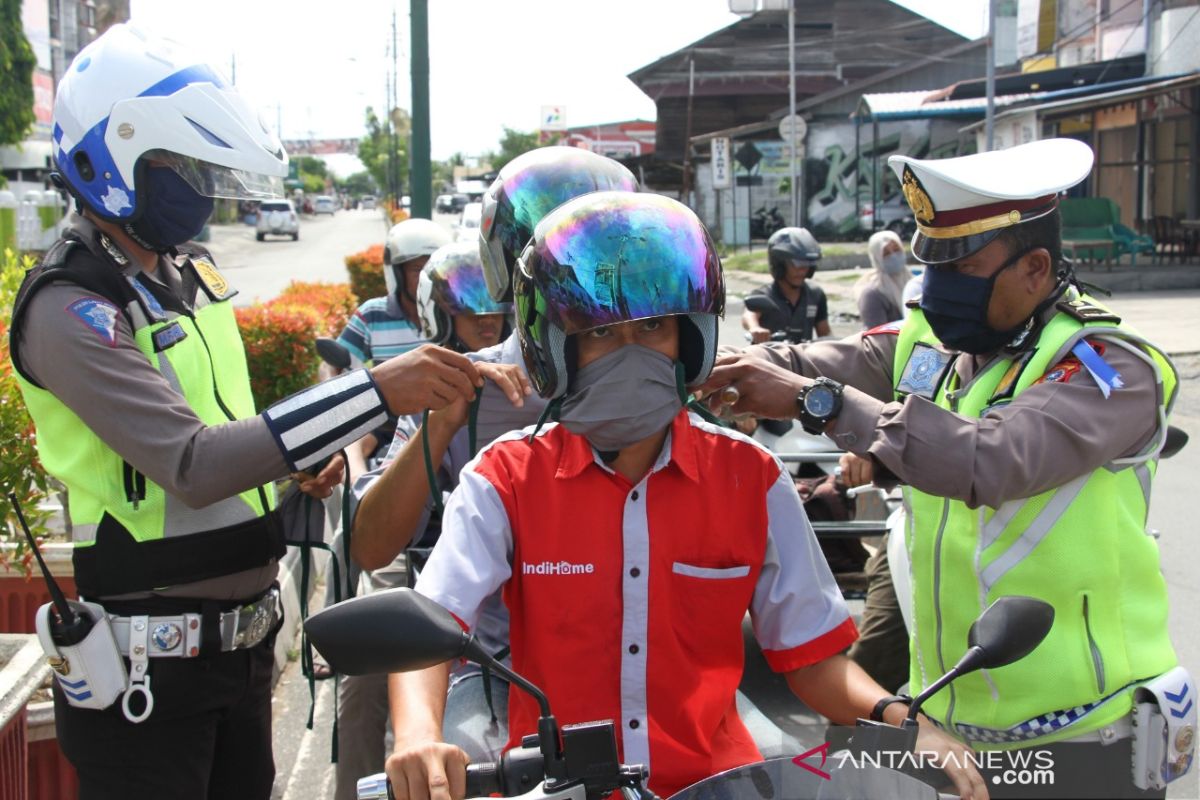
x=1097, y=659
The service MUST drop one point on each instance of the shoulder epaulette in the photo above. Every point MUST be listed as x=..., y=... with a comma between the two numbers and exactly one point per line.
x=1084, y=311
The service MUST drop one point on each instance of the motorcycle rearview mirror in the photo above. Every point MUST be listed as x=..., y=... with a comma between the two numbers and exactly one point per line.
x=1007, y=631
x=399, y=630
x=333, y=353
x=392, y=631
x=1174, y=442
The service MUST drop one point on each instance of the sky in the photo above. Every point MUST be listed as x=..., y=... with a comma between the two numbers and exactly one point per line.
x=313, y=66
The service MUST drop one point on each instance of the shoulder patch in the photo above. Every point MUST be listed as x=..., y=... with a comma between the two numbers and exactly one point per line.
x=924, y=371
x=152, y=305
x=214, y=282
x=98, y=315
x=887, y=327
x=1085, y=311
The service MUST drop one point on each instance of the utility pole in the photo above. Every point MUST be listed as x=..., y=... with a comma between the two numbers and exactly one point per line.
x=393, y=101
x=687, y=138
x=793, y=188
x=421, y=171
x=990, y=119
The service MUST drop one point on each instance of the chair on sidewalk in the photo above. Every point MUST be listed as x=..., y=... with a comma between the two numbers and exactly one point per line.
x=1092, y=230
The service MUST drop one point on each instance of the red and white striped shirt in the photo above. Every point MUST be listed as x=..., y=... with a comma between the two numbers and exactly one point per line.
x=627, y=600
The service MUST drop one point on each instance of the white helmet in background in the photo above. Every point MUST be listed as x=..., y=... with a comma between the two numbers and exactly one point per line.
x=131, y=101
x=412, y=238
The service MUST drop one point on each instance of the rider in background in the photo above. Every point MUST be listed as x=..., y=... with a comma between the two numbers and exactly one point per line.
x=790, y=307
x=454, y=310
x=612, y=336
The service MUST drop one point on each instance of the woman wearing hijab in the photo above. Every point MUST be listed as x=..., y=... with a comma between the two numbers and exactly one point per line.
x=880, y=293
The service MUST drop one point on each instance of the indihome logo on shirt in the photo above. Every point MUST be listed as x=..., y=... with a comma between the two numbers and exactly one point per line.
x=557, y=568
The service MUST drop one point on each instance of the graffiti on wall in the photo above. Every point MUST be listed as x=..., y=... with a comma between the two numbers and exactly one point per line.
x=845, y=184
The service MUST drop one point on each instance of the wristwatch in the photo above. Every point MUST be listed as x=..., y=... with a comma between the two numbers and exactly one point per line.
x=818, y=403
x=877, y=711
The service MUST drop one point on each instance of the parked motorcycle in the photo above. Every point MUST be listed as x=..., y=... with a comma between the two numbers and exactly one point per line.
x=579, y=762
x=764, y=222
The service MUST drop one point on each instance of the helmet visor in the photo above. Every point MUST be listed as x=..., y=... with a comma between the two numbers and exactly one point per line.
x=459, y=286
x=600, y=260
x=214, y=180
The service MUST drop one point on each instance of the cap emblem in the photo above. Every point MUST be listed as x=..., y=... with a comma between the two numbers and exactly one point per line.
x=918, y=199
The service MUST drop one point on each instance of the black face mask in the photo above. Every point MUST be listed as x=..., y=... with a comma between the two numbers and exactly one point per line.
x=175, y=212
x=956, y=306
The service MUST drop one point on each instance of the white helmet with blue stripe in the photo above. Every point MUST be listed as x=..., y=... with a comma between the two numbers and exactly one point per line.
x=130, y=98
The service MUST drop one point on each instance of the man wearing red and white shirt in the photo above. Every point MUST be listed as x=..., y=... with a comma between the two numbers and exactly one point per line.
x=631, y=539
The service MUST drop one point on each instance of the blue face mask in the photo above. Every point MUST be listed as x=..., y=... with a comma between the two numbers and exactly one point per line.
x=956, y=306
x=174, y=212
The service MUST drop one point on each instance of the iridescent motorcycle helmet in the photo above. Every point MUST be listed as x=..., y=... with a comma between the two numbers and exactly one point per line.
x=528, y=188
x=611, y=257
x=452, y=283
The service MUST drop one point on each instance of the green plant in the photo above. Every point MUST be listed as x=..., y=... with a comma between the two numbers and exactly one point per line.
x=280, y=343
x=20, y=470
x=333, y=303
x=366, y=273
x=280, y=335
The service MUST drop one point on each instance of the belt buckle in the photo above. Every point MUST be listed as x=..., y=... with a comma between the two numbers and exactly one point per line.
x=255, y=621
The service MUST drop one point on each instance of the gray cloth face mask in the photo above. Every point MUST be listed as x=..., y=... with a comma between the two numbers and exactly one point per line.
x=622, y=398
x=894, y=263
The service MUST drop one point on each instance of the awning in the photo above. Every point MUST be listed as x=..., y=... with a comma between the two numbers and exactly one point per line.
x=1127, y=94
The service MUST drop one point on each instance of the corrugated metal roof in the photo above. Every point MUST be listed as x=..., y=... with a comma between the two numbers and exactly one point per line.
x=918, y=105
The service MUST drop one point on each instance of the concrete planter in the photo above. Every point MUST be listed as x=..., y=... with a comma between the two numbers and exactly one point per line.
x=22, y=670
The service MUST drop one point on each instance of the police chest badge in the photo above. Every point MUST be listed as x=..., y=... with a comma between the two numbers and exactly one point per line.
x=214, y=282
x=924, y=370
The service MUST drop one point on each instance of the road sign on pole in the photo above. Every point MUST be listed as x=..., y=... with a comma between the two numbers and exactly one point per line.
x=722, y=172
x=793, y=128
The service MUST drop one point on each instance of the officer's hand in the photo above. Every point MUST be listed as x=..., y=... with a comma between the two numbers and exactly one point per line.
x=856, y=470
x=954, y=758
x=511, y=379
x=427, y=377
x=759, y=335
x=321, y=485
x=758, y=387
x=428, y=771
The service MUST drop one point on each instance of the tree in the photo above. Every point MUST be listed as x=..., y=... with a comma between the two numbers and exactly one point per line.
x=513, y=143
x=16, y=75
x=358, y=184
x=374, y=148
x=443, y=171
x=312, y=165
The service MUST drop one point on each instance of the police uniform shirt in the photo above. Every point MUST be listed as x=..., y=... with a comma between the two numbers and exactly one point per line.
x=1056, y=430
x=775, y=313
x=104, y=378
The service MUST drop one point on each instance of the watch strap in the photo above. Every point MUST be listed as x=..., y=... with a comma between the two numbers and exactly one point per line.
x=884, y=702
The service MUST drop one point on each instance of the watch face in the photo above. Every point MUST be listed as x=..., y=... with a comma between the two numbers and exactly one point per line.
x=819, y=401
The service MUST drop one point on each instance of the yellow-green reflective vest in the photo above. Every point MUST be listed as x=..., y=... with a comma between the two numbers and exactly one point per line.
x=129, y=533
x=1082, y=547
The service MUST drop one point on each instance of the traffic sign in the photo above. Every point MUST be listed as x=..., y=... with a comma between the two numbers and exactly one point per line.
x=793, y=128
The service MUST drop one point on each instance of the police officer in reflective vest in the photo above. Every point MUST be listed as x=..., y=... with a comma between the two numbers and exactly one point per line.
x=1026, y=422
x=131, y=364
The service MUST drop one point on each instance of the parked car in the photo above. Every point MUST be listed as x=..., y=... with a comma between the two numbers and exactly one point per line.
x=893, y=215
x=367, y=201
x=277, y=218
x=467, y=229
x=445, y=204
x=324, y=204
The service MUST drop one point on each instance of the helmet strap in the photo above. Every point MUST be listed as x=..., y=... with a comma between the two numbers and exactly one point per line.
x=551, y=411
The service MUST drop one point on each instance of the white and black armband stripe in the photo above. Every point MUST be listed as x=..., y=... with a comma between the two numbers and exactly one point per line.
x=314, y=424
